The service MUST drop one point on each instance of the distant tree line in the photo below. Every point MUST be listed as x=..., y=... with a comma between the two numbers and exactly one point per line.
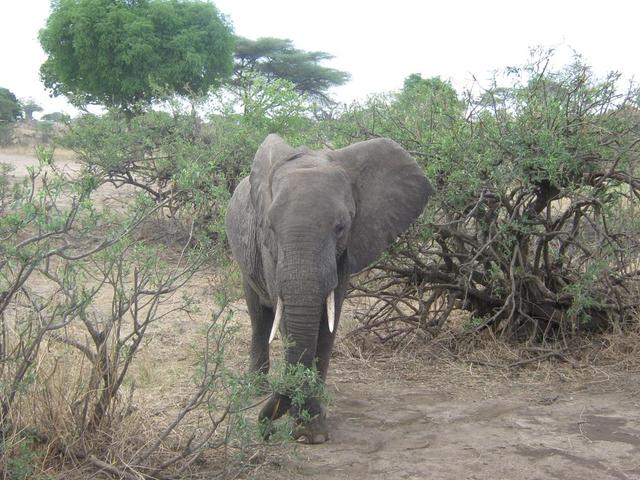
x=12, y=109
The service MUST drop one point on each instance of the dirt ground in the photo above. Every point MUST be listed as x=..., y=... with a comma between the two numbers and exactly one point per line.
x=403, y=416
x=461, y=424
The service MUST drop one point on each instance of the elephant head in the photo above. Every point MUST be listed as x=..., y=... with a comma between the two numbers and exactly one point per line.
x=324, y=215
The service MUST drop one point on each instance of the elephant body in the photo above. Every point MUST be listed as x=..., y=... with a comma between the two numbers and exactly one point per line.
x=299, y=225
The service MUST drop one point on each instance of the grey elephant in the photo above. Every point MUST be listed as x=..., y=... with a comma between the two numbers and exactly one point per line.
x=299, y=225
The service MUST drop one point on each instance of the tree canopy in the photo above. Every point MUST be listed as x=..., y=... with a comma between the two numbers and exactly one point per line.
x=56, y=117
x=10, y=108
x=277, y=58
x=119, y=53
x=29, y=107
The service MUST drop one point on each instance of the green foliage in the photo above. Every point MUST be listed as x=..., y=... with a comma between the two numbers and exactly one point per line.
x=57, y=117
x=298, y=383
x=122, y=54
x=277, y=58
x=534, y=179
x=240, y=121
x=21, y=458
x=60, y=251
x=165, y=155
x=10, y=109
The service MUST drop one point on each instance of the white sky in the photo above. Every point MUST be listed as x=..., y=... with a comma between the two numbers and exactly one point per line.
x=381, y=42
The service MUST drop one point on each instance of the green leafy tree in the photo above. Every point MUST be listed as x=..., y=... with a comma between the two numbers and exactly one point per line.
x=29, y=107
x=59, y=117
x=125, y=53
x=10, y=109
x=277, y=58
x=242, y=120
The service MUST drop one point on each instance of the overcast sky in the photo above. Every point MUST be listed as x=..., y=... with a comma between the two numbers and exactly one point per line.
x=381, y=42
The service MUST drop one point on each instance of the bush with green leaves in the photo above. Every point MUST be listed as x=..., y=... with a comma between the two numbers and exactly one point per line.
x=60, y=251
x=190, y=165
x=240, y=119
x=534, y=225
x=82, y=285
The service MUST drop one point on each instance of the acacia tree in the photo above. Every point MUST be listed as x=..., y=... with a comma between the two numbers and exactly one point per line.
x=123, y=53
x=277, y=58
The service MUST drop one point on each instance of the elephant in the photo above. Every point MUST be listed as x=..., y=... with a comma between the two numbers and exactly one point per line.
x=298, y=226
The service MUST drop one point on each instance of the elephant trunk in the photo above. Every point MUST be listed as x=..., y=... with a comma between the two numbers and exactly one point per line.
x=306, y=280
x=302, y=318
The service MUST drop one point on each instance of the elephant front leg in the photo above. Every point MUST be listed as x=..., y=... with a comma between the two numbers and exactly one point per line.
x=261, y=323
x=327, y=338
x=316, y=430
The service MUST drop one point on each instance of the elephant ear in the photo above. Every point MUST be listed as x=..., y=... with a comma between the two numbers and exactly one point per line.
x=272, y=152
x=390, y=191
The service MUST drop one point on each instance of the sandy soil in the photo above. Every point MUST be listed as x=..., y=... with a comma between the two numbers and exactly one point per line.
x=22, y=157
x=404, y=417
x=466, y=425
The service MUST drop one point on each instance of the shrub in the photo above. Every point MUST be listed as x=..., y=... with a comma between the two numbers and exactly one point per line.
x=67, y=359
x=533, y=228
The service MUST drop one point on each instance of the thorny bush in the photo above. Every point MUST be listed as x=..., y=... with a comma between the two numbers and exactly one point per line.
x=534, y=227
x=81, y=287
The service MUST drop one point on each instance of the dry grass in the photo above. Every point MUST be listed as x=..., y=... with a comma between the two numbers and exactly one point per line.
x=456, y=357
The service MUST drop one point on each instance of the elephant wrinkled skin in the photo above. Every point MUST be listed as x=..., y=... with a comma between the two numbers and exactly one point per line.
x=298, y=226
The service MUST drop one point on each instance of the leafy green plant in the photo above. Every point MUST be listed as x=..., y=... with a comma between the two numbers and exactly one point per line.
x=24, y=459
x=61, y=252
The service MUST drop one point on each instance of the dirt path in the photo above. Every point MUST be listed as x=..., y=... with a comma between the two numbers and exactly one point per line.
x=413, y=430
x=21, y=160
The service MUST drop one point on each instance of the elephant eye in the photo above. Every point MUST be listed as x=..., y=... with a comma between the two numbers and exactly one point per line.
x=339, y=229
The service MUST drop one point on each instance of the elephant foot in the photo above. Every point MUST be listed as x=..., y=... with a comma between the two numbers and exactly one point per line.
x=276, y=406
x=313, y=432
x=310, y=431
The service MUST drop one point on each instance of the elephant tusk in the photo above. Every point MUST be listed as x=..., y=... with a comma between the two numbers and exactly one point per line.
x=276, y=320
x=331, y=311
